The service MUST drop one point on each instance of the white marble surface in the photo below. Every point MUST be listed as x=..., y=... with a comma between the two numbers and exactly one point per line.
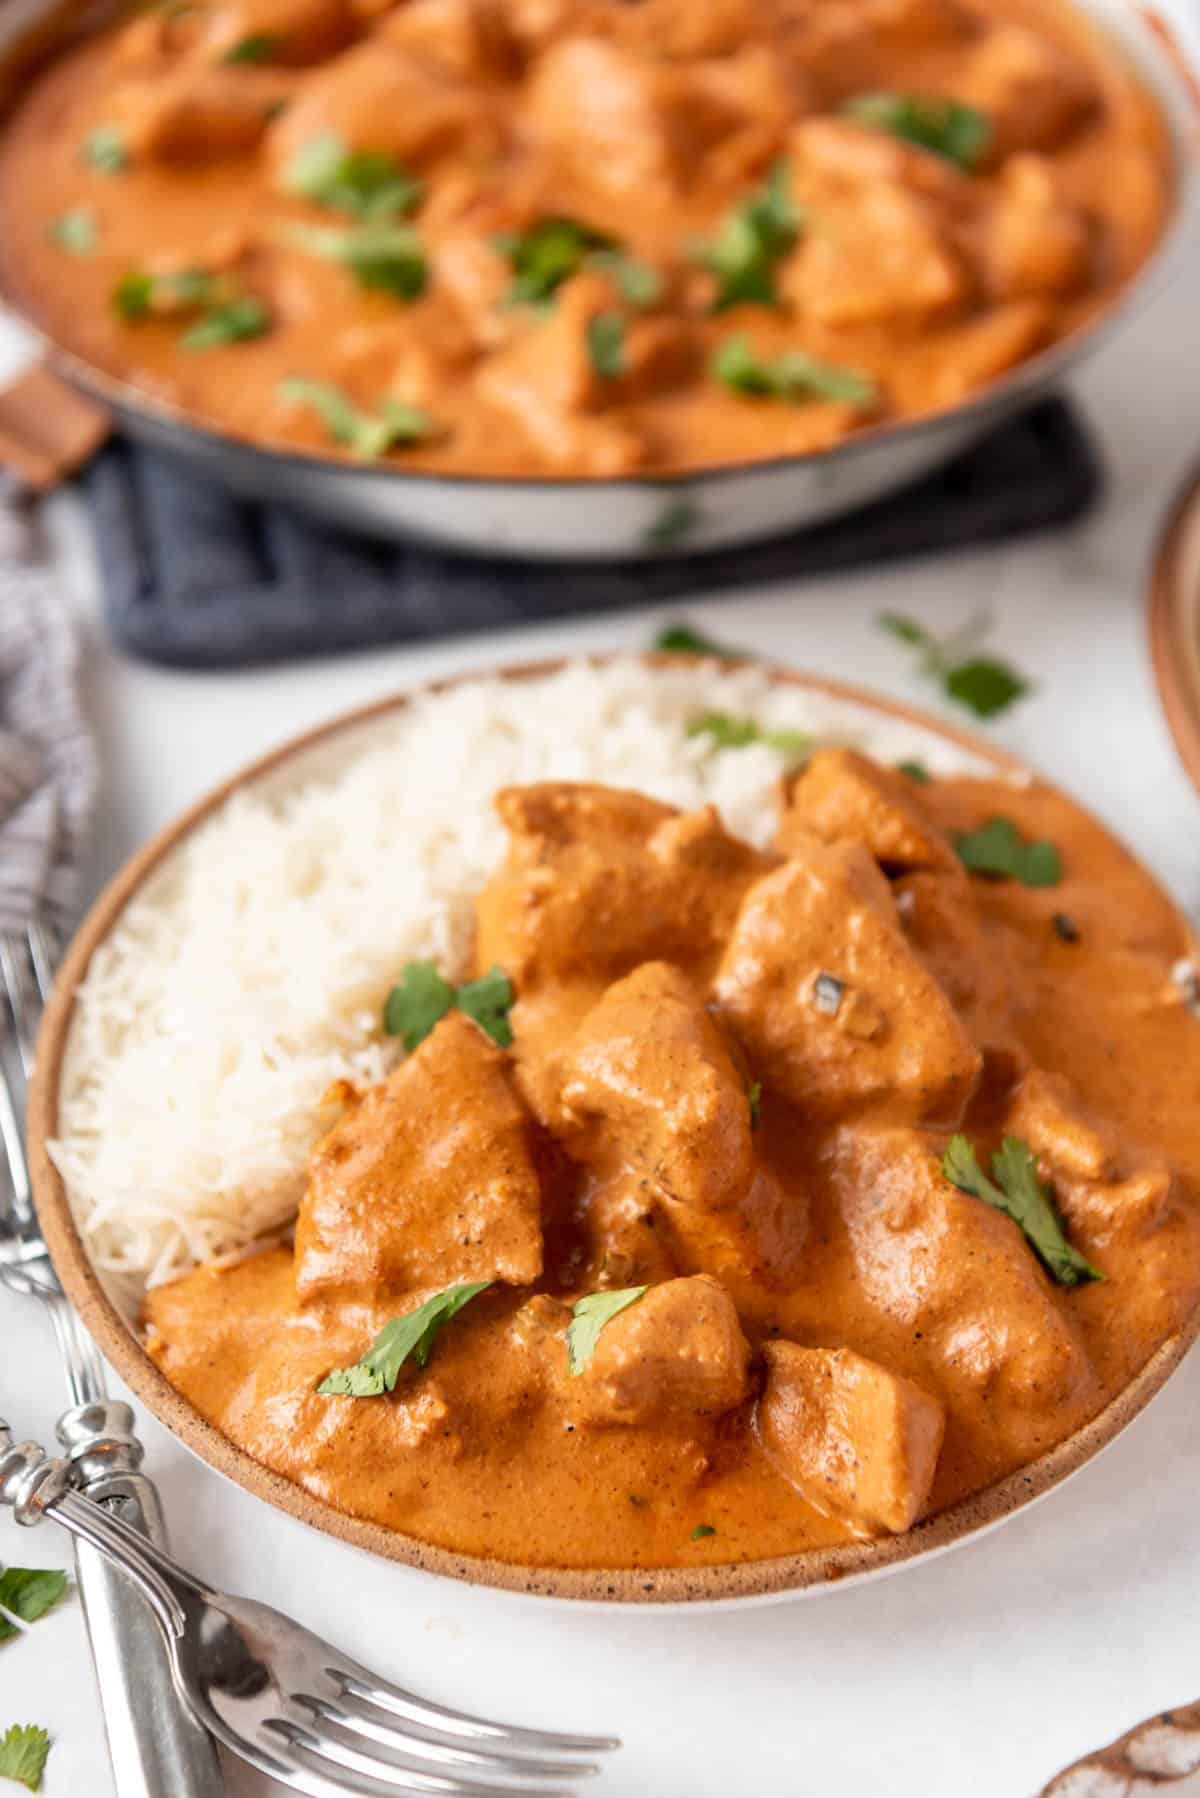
x=983, y=1671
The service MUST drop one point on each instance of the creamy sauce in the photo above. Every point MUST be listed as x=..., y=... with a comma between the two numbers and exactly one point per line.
x=829, y=1225
x=649, y=124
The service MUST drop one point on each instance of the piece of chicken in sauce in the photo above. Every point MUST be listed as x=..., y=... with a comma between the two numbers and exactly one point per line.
x=796, y=1194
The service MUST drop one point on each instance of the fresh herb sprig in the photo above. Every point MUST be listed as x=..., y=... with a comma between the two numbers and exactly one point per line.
x=75, y=231
x=104, y=149
x=999, y=850
x=682, y=639
x=1019, y=1194
x=23, y=1753
x=549, y=253
x=752, y=239
x=728, y=732
x=369, y=184
x=29, y=1592
x=413, y=1335
x=984, y=684
x=606, y=344
x=233, y=322
x=589, y=1315
x=365, y=434
x=423, y=996
x=961, y=134
x=793, y=376
x=259, y=46
x=377, y=254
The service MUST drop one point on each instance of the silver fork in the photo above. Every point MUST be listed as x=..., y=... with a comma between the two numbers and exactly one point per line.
x=155, y=1745
x=282, y=1698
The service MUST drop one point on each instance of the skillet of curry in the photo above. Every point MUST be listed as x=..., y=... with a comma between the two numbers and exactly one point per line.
x=872, y=1158
x=577, y=237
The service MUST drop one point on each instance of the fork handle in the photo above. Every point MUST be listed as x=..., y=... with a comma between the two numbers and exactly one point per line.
x=155, y=1745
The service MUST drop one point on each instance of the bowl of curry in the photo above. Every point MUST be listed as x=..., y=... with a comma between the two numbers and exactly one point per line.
x=736, y=1198
x=586, y=278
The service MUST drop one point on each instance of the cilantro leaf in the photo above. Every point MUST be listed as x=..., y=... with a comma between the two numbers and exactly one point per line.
x=29, y=1592
x=549, y=253
x=701, y=1530
x=728, y=732
x=998, y=849
x=1019, y=1193
x=606, y=344
x=23, y=1752
x=751, y=240
x=635, y=281
x=75, y=231
x=7, y=1630
x=915, y=771
x=754, y=1100
x=794, y=376
x=369, y=183
x=488, y=1001
x=413, y=1335
x=260, y=46
x=681, y=639
x=104, y=149
x=137, y=294
x=377, y=254
x=959, y=133
x=589, y=1316
x=419, y=1001
x=231, y=323
x=677, y=520
x=366, y=434
x=984, y=684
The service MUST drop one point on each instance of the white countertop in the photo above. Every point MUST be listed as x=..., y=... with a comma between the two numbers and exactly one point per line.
x=983, y=1671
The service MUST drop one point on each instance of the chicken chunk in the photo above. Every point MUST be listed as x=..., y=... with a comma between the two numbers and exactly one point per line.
x=601, y=109
x=1034, y=94
x=675, y=1355
x=197, y=113
x=821, y=987
x=961, y=1277
x=295, y=32
x=857, y=1442
x=427, y=1180
x=880, y=256
x=465, y=38
x=841, y=795
x=1036, y=244
x=1059, y=1129
x=652, y=883
x=378, y=97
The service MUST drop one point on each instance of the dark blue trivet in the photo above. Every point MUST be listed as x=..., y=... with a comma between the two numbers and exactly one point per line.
x=195, y=578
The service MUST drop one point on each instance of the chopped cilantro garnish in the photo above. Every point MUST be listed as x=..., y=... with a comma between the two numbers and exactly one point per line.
x=589, y=1316
x=751, y=240
x=792, y=376
x=606, y=344
x=231, y=323
x=260, y=46
x=960, y=133
x=1017, y=1191
x=635, y=281
x=413, y=1334
x=681, y=639
x=677, y=520
x=754, y=1100
x=377, y=254
x=985, y=685
x=138, y=294
x=75, y=231
x=546, y=255
x=701, y=1530
x=728, y=732
x=368, y=183
x=915, y=771
x=367, y=434
x=422, y=998
x=29, y=1592
x=998, y=849
x=104, y=149
x=23, y=1752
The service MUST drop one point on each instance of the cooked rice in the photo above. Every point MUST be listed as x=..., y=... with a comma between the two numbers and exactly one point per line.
x=250, y=973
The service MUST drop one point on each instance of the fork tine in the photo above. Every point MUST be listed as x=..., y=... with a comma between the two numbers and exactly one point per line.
x=381, y=1777
x=14, y=1154
x=14, y=974
x=42, y=955
x=449, y=1726
x=418, y=1751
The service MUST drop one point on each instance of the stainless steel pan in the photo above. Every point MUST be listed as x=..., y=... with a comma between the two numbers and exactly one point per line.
x=652, y=515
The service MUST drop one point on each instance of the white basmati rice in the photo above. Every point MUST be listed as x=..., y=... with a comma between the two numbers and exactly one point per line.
x=250, y=972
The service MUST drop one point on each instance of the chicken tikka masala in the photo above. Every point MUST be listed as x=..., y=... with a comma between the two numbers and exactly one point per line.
x=745, y=1200
x=577, y=237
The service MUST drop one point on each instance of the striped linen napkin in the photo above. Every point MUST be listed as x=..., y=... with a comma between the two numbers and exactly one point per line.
x=48, y=767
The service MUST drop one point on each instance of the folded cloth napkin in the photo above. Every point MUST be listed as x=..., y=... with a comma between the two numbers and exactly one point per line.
x=48, y=767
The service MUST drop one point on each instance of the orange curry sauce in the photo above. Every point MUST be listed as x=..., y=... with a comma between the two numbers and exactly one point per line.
x=182, y=143
x=835, y=1340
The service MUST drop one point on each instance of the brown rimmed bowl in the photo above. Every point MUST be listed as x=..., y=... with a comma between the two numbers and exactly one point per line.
x=812, y=1570
x=1173, y=618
